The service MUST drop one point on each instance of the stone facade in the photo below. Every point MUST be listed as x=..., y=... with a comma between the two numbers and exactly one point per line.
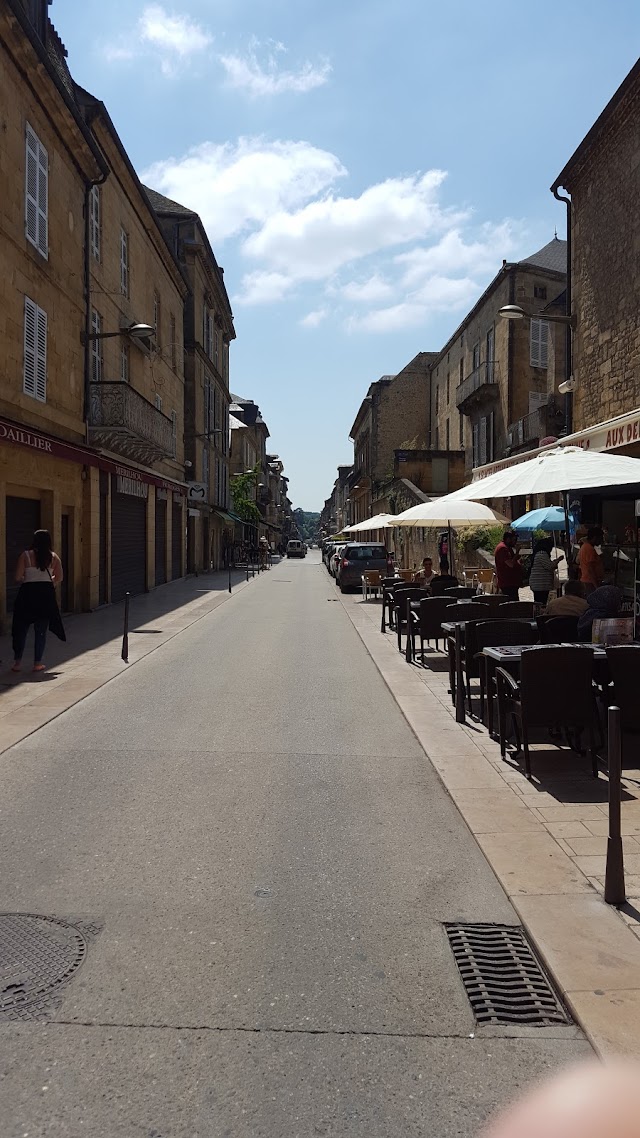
x=491, y=374
x=603, y=179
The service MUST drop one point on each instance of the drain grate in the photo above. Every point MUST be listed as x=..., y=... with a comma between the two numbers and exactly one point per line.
x=38, y=956
x=503, y=979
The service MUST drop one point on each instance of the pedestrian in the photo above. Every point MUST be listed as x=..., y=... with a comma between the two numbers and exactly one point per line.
x=604, y=603
x=590, y=560
x=509, y=569
x=543, y=570
x=38, y=571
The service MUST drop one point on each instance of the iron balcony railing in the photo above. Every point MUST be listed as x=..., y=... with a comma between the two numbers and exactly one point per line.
x=486, y=374
x=545, y=421
x=122, y=420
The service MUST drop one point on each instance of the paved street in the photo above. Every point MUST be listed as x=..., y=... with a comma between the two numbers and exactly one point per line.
x=271, y=856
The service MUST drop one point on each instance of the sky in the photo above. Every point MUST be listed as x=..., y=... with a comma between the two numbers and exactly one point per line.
x=362, y=168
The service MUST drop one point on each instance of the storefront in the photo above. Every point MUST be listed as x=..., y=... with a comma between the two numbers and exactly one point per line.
x=117, y=528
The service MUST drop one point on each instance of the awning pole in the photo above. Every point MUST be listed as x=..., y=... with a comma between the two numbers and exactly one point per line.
x=567, y=528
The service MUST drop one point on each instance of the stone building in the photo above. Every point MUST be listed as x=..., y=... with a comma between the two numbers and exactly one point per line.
x=249, y=434
x=393, y=413
x=48, y=160
x=603, y=180
x=136, y=383
x=493, y=385
x=208, y=331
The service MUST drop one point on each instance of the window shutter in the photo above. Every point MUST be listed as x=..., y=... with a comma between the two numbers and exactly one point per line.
x=174, y=433
x=539, y=343
x=482, y=456
x=124, y=263
x=94, y=217
x=37, y=192
x=96, y=347
x=41, y=356
x=537, y=399
x=490, y=436
x=158, y=402
x=30, y=312
x=476, y=439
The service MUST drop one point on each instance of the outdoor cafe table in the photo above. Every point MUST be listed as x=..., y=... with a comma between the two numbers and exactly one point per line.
x=509, y=656
x=449, y=628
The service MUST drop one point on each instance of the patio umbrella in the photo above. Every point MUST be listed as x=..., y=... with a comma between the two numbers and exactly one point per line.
x=549, y=518
x=443, y=512
x=379, y=521
x=560, y=469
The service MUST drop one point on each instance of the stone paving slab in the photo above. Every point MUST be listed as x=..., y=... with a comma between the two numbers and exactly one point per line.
x=546, y=840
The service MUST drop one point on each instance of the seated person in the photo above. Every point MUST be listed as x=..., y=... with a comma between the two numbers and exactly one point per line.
x=602, y=603
x=443, y=580
x=426, y=575
x=571, y=603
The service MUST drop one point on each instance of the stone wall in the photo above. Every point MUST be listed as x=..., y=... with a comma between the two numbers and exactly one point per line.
x=605, y=193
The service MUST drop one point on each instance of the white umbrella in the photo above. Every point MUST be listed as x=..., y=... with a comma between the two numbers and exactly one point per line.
x=379, y=521
x=447, y=511
x=560, y=469
x=444, y=512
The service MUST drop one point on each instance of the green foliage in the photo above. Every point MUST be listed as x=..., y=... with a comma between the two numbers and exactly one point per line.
x=307, y=522
x=480, y=537
x=242, y=488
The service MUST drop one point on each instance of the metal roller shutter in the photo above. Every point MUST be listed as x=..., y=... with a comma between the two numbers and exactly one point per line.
x=177, y=540
x=23, y=517
x=128, y=543
x=161, y=541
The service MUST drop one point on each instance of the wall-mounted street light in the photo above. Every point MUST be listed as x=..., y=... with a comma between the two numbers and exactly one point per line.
x=515, y=312
x=134, y=332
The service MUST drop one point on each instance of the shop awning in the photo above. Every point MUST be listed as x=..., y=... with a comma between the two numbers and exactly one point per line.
x=228, y=517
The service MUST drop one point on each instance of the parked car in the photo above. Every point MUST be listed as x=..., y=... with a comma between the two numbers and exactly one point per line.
x=355, y=558
x=335, y=561
x=295, y=548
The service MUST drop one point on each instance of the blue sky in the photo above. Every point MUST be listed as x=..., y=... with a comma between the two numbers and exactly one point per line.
x=362, y=168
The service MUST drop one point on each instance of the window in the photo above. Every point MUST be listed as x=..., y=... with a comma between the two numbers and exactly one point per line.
x=483, y=441
x=537, y=399
x=96, y=347
x=475, y=357
x=461, y=370
x=37, y=193
x=448, y=388
x=437, y=398
x=215, y=346
x=205, y=467
x=156, y=317
x=124, y=363
x=172, y=333
x=174, y=433
x=437, y=439
x=94, y=221
x=461, y=430
x=446, y=447
x=207, y=407
x=225, y=362
x=491, y=352
x=538, y=343
x=35, y=351
x=207, y=333
x=158, y=401
x=124, y=262
x=540, y=292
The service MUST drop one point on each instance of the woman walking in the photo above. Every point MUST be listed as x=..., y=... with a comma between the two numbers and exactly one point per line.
x=543, y=570
x=38, y=571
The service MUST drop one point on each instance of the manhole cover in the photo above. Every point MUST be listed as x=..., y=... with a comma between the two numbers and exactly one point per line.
x=38, y=955
x=503, y=978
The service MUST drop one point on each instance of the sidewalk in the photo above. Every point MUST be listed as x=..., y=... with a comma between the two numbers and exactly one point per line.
x=546, y=841
x=91, y=655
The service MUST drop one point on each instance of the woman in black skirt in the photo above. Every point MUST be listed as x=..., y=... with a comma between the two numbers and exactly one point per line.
x=39, y=570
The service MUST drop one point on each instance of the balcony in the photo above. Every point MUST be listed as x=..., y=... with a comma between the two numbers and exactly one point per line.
x=545, y=422
x=480, y=386
x=123, y=421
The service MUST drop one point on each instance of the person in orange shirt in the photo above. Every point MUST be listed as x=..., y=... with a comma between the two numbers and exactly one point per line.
x=590, y=561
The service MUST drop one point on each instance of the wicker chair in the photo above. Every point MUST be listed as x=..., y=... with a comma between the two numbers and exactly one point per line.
x=427, y=624
x=371, y=583
x=555, y=692
x=401, y=599
x=558, y=630
x=489, y=634
x=518, y=608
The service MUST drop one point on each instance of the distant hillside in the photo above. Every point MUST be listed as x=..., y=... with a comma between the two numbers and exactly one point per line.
x=307, y=522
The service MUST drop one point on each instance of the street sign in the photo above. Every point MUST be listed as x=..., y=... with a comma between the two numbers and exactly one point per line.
x=196, y=492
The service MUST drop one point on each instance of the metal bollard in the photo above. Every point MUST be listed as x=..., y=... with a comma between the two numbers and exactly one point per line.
x=460, y=715
x=125, y=633
x=229, y=568
x=614, y=887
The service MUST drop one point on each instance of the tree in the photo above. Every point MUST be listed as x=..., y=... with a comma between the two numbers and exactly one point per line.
x=242, y=486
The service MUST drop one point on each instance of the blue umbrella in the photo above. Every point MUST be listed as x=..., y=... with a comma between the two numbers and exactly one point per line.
x=548, y=518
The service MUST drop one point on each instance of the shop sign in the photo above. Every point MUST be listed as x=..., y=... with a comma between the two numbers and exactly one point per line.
x=196, y=493
x=131, y=486
x=162, y=495
x=24, y=438
x=609, y=438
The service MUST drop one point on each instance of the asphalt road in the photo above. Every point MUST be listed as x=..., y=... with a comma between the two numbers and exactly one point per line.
x=272, y=857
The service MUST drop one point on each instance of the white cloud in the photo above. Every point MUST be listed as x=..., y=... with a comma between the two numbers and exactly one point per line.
x=241, y=185
x=172, y=37
x=246, y=73
x=367, y=292
x=452, y=252
x=264, y=288
x=312, y=319
x=439, y=294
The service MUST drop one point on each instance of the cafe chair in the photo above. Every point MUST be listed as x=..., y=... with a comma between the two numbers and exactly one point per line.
x=389, y=586
x=491, y=600
x=494, y=634
x=467, y=611
x=371, y=583
x=427, y=623
x=623, y=662
x=518, y=609
x=460, y=592
x=558, y=629
x=554, y=693
x=401, y=599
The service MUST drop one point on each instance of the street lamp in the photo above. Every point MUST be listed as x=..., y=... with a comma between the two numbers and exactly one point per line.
x=134, y=331
x=515, y=312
